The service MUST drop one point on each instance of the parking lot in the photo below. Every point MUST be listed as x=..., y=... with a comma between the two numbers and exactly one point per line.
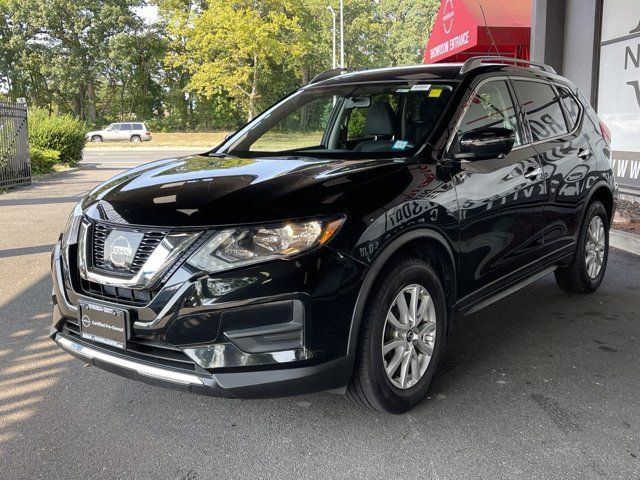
x=541, y=384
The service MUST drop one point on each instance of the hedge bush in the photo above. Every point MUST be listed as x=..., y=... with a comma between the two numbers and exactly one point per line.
x=62, y=133
x=42, y=161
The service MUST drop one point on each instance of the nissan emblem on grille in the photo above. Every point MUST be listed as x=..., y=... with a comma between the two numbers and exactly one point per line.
x=120, y=248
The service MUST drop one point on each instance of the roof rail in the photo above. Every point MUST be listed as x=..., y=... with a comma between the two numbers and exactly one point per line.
x=475, y=62
x=334, y=72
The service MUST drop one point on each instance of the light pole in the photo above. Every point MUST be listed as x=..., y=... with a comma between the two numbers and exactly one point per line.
x=341, y=34
x=333, y=14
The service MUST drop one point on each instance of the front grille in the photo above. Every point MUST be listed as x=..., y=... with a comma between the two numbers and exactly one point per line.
x=148, y=244
x=125, y=296
x=140, y=349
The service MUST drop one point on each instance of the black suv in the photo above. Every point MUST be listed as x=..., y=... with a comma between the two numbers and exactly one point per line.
x=331, y=242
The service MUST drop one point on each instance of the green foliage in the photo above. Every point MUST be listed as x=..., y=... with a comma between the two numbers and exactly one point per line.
x=42, y=161
x=63, y=133
x=232, y=45
x=204, y=64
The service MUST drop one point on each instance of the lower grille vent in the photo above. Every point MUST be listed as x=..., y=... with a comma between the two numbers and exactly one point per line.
x=126, y=296
x=147, y=350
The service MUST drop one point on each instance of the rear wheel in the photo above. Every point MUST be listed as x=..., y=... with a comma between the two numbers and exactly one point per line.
x=585, y=273
x=135, y=139
x=96, y=139
x=402, y=338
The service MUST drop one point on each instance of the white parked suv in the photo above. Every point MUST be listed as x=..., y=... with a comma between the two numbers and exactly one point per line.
x=134, y=132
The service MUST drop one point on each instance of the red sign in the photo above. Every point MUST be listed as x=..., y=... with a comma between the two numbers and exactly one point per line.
x=464, y=28
x=454, y=30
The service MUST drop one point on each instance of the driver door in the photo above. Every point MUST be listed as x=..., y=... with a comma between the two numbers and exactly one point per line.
x=111, y=132
x=500, y=200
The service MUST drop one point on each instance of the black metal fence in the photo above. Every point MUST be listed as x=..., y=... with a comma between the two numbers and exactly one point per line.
x=15, y=167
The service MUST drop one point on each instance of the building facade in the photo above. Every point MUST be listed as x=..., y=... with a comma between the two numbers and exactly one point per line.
x=596, y=43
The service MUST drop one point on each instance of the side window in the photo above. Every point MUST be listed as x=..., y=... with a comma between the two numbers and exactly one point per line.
x=571, y=106
x=137, y=126
x=126, y=126
x=491, y=106
x=542, y=108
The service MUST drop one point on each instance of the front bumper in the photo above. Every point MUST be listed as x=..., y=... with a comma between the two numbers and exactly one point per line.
x=260, y=341
x=333, y=375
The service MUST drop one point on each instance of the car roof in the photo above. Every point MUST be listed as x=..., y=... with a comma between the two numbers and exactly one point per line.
x=432, y=72
x=440, y=71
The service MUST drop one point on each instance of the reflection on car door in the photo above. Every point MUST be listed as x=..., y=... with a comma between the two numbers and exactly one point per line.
x=500, y=200
x=565, y=155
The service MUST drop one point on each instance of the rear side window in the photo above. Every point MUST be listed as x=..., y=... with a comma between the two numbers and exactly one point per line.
x=543, y=109
x=491, y=106
x=125, y=126
x=137, y=126
x=571, y=106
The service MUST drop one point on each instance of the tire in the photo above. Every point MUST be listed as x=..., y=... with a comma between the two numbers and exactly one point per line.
x=578, y=277
x=96, y=139
x=135, y=139
x=370, y=385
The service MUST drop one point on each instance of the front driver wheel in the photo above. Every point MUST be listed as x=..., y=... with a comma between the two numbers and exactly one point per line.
x=402, y=338
x=96, y=139
x=585, y=273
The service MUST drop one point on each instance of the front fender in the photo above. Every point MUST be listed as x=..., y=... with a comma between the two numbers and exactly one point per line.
x=381, y=256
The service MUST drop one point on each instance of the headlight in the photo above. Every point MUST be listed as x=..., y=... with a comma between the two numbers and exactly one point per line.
x=70, y=233
x=244, y=246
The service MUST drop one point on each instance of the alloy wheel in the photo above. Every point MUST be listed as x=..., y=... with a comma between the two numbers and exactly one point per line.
x=409, y=336
x=594, y=249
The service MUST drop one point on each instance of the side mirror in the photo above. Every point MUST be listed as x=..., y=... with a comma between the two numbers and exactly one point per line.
x=486, y=143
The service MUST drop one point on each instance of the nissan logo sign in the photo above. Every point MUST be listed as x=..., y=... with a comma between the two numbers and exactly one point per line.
x=447, y=16
x=121, y=253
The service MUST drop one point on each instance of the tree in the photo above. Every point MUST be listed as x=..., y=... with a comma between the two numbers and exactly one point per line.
x=65, y=47
x=204, y=64
x=231, y=46
x=407, y=25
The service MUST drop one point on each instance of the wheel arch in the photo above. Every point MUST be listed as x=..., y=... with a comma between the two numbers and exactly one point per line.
x=425, y=244
x=600, y=191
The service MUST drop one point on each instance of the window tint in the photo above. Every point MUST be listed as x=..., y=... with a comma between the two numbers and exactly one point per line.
x=137, y=126
x=125, y=126
x=542, y=108
x=571, y=106
x=491, y=106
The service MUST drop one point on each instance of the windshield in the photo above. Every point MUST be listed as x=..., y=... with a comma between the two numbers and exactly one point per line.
x=350, y=121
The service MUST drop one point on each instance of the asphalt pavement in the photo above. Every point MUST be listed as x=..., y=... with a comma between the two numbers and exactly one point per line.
x=540, y=385
x=127, y=157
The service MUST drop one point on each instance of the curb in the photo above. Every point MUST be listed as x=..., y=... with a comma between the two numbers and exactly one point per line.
x=625, y=241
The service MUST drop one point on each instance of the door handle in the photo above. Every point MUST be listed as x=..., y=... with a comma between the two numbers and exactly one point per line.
x=533, y=172
x=584, y=153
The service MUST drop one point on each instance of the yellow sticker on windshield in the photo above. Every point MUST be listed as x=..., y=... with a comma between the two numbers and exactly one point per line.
x=435, y=92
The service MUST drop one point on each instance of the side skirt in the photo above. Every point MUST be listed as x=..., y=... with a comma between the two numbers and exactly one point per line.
x=485, y=302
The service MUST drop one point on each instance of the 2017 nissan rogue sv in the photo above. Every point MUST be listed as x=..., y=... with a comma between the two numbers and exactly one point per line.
x=331, y=243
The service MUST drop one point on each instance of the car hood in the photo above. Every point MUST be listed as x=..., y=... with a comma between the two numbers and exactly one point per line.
x=203, y=190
